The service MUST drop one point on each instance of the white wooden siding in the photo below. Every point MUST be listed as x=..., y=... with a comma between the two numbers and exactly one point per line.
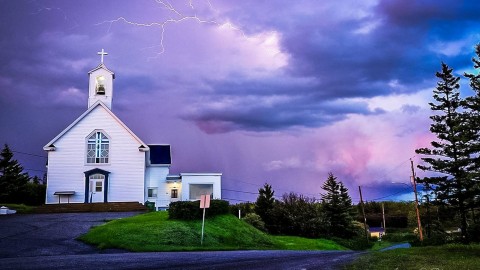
x=201, y=178
x=156, y=177
x=67, y=164
x=92, y=96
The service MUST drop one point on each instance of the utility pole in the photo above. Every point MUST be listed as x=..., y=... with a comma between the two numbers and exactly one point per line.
x=414, y=182
x=383, y=215
x=363, y=212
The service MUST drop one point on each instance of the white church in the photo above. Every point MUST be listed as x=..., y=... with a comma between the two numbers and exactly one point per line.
x=98, y=159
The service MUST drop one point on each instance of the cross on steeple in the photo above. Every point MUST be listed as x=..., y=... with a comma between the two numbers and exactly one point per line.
x=102, y=53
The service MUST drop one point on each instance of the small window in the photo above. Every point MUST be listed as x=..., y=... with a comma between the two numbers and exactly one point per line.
x=174, y=194
x=197, y=190
x=152, y=192
x=98, y=186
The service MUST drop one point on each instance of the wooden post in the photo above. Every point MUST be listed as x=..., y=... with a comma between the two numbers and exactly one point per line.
x=383, y=214
x=203, y=226
x=419, y=224
x=204, y=203
x=363, y=212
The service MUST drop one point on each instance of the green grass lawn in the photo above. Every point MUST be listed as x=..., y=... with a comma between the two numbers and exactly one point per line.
x=300, y=243
x=457, y=257
x=155, y=232
x=382, y=244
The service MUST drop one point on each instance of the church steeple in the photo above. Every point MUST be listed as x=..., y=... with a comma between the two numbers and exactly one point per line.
x=100, y=85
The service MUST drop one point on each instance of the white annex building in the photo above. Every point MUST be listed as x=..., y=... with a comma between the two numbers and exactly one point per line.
x=99, y=159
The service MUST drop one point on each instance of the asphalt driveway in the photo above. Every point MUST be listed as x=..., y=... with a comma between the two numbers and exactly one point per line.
x=47, y=241
x=33, y=235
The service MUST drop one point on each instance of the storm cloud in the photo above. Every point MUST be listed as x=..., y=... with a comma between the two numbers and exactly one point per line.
x=259, y=90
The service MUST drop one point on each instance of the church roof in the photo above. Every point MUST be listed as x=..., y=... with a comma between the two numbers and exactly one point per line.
x=102, y=66
x=160, y=154
x=51, y=145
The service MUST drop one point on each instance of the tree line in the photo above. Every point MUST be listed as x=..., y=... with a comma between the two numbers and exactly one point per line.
x=17, y=186
x=333, y=216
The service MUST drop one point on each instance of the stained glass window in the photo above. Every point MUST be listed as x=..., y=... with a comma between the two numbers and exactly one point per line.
x=98, y=148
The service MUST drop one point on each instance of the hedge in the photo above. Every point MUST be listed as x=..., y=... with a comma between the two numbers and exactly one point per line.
x=189, y=210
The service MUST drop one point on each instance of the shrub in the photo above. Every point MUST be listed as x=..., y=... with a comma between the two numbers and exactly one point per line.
x=189, y=210
x=399, y=237
x=357, y=243
x=255, y=220
x=218, y=207
x=474, y=232
x=245, y=208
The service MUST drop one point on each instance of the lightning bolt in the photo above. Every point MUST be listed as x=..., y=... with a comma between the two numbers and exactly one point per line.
x=42, y=9
x=178, y=17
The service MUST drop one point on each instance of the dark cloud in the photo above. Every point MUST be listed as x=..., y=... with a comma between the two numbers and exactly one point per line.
x=388, y=50
x=260, y=113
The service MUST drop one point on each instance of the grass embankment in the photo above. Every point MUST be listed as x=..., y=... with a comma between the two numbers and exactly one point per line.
x=155, y=232
x=21, y=208
x=452, y=256
x=383, y=244
x=300, y=243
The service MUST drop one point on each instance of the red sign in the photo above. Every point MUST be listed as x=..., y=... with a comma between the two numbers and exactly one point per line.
x=205, y=201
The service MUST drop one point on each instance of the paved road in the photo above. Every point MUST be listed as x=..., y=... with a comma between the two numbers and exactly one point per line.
x=47, y=241
x=264, y=260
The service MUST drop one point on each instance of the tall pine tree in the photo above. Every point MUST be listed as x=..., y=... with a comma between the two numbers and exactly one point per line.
x=12, y=179
x=449, y=154
x=472, y=116
x=337, y=208
x=264, y=204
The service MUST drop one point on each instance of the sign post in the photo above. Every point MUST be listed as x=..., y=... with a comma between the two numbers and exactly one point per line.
x=204, y=203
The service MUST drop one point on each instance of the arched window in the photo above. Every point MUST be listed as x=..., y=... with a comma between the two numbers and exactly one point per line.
x=97, y=148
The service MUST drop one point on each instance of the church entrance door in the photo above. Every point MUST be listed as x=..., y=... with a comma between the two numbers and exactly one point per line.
x=97, y=188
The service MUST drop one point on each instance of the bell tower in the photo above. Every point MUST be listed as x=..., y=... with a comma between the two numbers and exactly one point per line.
x=100, y=84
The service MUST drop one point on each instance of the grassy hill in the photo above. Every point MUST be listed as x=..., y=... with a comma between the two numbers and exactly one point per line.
x=155, y=232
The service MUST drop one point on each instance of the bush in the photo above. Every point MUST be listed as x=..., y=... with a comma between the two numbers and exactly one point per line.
x=255, y=220
x=474, y=232
x=34, y=194
x=399, y=237
x=296, y=215
x=357, y=243
x=434, y=240
x=245, y=209
x=189, y=210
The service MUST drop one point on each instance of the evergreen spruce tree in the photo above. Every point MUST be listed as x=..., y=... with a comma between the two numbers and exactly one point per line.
x=337, y=208
x=449, y=154
x=264, y=204
x=472, y=116
x=12, y=179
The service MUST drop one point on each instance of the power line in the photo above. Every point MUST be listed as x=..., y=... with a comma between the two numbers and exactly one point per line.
x=235, y=199
x=256, y=193
x=28, y=154
x=261, y=185
x=393, y=194
x=34, y=170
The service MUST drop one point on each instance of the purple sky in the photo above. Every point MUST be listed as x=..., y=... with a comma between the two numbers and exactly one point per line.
x=264, y=91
